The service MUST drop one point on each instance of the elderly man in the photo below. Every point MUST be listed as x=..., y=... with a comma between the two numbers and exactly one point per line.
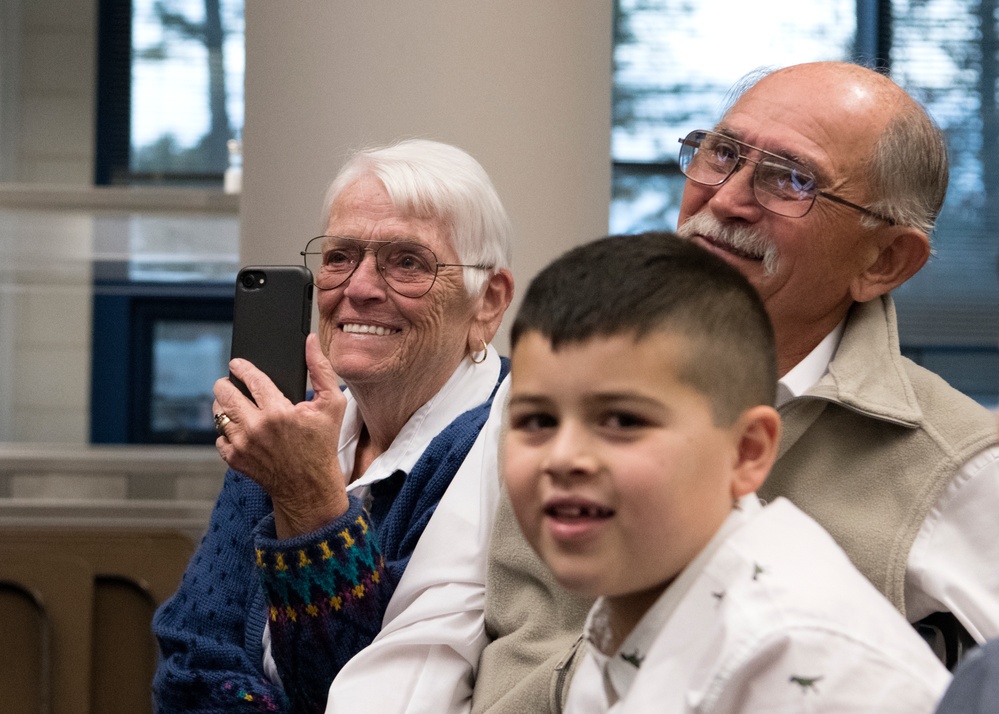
x=821, y=184
x=825, y=201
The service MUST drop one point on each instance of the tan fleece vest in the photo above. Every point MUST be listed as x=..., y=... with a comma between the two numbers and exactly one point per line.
x=531, y=621
x=868, y=450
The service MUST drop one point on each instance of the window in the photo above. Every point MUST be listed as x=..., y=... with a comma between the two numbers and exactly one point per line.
x=156, y=353
x=170, y=94
x=674, y=63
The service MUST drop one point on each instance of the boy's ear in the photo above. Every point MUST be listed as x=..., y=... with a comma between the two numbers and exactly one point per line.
x=758, y=434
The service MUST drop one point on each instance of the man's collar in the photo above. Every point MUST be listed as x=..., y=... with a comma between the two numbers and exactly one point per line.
x=806, y=374
x=867, y=373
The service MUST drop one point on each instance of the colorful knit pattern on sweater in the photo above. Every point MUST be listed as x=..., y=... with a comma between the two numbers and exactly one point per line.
x=324, y=578
x=310, y=586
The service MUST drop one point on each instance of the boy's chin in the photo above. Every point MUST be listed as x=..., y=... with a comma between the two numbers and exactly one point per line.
x=579, y=574
x=577, y=582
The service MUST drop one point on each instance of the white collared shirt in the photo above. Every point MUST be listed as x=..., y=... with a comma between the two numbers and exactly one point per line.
x=954, y=561
x=770, y=616
x=619, y=668
x=467, y=387
x=425, y=657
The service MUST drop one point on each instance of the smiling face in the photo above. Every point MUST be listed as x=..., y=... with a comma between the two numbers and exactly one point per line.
x=820, y=256
x=618, y=475
x=371, y=334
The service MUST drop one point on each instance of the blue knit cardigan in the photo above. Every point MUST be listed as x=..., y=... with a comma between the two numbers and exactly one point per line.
x=324, y=593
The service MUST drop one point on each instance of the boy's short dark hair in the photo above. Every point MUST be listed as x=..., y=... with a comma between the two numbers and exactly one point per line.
x=656, y=281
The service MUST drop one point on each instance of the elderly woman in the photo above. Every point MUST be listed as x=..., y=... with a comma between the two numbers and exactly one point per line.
x=326, y=502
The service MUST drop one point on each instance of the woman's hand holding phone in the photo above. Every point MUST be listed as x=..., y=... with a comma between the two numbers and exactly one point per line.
x=289, y=449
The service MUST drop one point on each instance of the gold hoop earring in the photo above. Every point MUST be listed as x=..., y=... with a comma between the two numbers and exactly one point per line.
x=484, y=352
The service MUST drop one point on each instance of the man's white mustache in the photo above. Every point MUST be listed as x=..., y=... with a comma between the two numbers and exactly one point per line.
x=739, y=237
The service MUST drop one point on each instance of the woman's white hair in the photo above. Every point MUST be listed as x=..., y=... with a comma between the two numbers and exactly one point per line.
x=430, y=179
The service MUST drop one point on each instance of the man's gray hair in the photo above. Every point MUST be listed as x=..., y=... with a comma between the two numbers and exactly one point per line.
x=908, y=170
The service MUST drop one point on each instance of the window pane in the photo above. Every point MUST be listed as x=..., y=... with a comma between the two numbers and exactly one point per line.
x=645, y=199
x=188, y=356
x=944, y=53
x=675, y=61
x=187, y=86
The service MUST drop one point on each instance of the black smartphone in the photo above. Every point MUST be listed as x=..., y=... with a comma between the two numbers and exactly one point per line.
x=272, y=316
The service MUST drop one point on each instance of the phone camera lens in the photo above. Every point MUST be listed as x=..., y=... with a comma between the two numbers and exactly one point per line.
x=249, y=280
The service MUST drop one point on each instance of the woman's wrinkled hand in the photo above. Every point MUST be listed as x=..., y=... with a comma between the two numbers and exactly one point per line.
x=289, y=449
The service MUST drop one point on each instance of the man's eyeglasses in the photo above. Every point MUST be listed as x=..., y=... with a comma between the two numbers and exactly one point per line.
x=410, y=269
x=781, y=185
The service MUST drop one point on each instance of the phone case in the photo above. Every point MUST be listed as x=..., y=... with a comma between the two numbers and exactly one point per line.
x=272, y=316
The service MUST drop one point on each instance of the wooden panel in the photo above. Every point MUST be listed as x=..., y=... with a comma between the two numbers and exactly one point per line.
x=62, y=587
x=96, y=590
x=124, y=651
x=22, y=632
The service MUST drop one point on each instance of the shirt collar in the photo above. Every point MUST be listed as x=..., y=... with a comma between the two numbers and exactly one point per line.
x=469, y=385
x=621, y=667
x=806, y=374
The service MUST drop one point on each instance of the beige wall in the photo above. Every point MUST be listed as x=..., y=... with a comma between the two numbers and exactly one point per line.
x=524, y=86
x=48, y=65
x=47, y=106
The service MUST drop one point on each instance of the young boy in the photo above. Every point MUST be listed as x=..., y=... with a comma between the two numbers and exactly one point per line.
x=640, y=426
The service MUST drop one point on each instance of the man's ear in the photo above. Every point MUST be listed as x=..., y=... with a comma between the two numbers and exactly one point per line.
x=493, y=301
x=903, y=252
x=758, y=434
